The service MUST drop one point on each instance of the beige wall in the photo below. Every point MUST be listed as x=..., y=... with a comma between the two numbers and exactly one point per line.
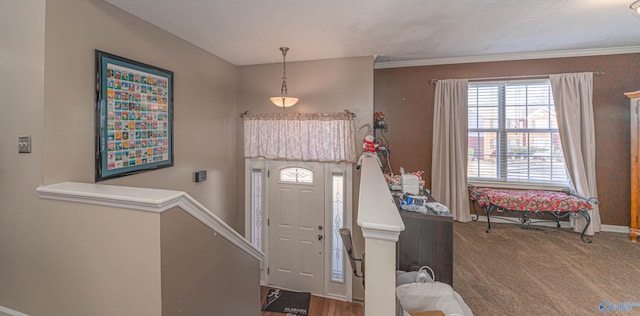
x=204, y=101
x=323, y=86
x=203, y=273
x=22, y=230
x=66, y=259
x=58, y=258
x=88, y=260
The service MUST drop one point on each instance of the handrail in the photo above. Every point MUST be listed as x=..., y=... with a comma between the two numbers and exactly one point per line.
x=148, y=200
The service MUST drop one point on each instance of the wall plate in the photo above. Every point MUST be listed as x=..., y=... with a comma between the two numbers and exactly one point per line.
x=24, y=144
x=200, y=176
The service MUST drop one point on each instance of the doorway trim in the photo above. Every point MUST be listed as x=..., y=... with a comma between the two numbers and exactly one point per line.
x=332, y=289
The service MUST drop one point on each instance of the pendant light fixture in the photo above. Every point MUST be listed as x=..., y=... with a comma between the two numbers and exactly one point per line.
x=283, y=100
x=635, y=6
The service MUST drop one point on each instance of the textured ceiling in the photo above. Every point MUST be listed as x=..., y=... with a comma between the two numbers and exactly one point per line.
x=246, y=32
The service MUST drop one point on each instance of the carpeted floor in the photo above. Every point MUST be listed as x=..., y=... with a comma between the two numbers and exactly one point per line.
x=512, y=271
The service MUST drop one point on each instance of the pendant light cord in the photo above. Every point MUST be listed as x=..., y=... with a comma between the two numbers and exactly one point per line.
x=283, y=89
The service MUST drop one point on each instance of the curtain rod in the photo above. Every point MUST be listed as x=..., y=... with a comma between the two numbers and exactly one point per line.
x=245, y=113
x=597, y=73
x=350, y=113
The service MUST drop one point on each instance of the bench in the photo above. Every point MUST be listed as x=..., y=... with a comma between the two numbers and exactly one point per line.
x=526, y=202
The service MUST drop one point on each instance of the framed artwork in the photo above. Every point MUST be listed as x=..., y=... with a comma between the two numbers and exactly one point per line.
x=133, y=117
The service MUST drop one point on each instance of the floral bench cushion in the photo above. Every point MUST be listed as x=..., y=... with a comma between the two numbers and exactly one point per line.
x=528, y=200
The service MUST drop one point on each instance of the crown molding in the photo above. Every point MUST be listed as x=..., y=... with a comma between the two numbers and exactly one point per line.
x=507, y=57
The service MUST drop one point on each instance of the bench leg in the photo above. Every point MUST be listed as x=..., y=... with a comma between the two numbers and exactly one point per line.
x=489, y=209
x=587, y=217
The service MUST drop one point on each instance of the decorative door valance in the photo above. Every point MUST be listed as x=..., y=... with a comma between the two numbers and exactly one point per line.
x=300, y=136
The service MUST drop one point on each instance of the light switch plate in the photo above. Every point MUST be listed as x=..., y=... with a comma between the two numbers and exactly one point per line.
x=200, y=176
x=24, y=144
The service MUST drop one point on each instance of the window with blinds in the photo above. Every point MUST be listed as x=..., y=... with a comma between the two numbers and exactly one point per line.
x=513, y=133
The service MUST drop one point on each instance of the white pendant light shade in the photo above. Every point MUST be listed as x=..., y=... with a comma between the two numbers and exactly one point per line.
x=635, y=6
x=284, y=102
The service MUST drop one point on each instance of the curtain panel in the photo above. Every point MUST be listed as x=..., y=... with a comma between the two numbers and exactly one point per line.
x=449, y=160
x=573, y=98
x=300, y=137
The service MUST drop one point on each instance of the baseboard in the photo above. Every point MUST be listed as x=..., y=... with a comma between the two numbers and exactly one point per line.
x=615, y=229
x=334, y=297
x=10, y=312
x=563, y=224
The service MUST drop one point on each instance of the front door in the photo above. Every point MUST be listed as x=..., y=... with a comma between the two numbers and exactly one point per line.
x=296, y=226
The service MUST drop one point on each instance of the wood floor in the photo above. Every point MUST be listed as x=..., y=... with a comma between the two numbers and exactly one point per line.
x=321, y=306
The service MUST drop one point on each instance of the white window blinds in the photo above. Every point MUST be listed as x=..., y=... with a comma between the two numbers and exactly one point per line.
x=513, y=133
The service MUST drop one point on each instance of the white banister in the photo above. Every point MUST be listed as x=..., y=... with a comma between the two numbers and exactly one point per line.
x=381, y=225
x=148, y=200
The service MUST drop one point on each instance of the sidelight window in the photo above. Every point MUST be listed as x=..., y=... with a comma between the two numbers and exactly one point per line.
x=256, y=208
x=337, y=216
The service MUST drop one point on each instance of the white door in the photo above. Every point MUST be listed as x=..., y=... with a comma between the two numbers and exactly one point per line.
x=296, y=226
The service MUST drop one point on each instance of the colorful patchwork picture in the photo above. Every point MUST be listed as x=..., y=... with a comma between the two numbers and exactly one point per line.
x=135, y=129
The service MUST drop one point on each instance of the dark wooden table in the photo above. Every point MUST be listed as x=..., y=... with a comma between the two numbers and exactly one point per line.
x=426, y=241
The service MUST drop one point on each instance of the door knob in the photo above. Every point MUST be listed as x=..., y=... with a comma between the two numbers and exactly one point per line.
x=320, y=237
x=320, y=227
